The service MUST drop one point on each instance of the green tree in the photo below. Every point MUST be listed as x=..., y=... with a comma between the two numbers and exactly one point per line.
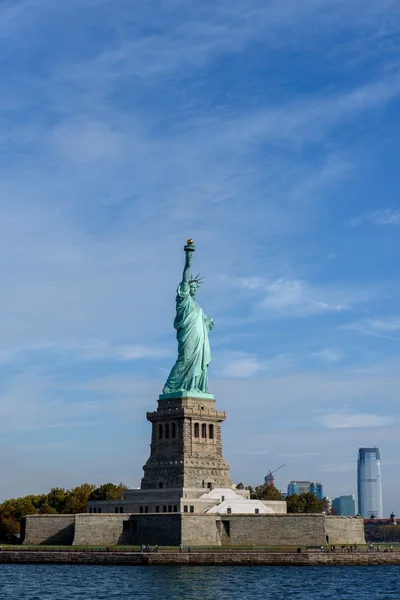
x=311, y=503
x=388, y=533
x=57, y=499
x=326, y=506
x=261, y=492
x=294, y=504
x=12, y=511
x=8, y=526
x=267, y=492
x=108, y=491
x=78, y=497
x=37, y=501
x=46, y=509
x=18, y=508
x=306, y=503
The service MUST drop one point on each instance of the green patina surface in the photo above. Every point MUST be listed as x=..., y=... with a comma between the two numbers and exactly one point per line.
x=190, y=371
x=186, y=395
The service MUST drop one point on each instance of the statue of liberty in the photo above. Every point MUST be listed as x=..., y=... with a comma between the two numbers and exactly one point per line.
x=190, y=372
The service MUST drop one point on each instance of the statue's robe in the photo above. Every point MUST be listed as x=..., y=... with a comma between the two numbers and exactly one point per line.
x=190, y=372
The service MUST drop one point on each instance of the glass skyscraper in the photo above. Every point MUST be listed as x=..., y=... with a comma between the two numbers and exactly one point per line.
x=369, y=485
x=302, y=487
x=344, y=506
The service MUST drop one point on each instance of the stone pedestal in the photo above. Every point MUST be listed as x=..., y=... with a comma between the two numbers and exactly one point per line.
x=186, y=444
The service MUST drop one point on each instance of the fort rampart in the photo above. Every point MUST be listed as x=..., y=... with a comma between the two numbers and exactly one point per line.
x=195, y=530
x=48, y=529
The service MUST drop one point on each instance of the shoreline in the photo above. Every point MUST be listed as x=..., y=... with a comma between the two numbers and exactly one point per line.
x=230, y=558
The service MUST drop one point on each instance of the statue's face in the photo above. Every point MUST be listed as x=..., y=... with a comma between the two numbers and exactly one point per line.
x=193, y=289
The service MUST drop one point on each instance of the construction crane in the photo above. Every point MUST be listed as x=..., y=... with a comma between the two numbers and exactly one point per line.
x=270, y=479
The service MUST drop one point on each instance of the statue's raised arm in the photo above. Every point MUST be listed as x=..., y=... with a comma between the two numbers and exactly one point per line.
x=190, y=372
x=189, y=249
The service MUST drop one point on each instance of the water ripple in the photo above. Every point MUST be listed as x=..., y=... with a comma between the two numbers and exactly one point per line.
x=73, y=582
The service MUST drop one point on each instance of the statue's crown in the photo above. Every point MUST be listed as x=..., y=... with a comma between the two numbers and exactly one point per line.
x=197, y=279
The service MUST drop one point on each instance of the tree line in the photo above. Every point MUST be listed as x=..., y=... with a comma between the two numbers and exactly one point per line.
x=296, y=503
x=57, y=501
x=62, y=501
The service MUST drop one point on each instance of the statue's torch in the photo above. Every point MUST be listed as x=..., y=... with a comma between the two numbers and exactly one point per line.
x=189, y=246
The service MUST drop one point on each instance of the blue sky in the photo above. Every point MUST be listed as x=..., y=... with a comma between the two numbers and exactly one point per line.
x=269, y=132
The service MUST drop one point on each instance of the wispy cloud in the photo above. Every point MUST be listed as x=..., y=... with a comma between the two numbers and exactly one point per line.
x=384, y=216
x=384, y=327
x=346, y=420
x=101, y=350
x=82, y=350
x=341, y=467
x=189, y=34
x=298, y=455
x=37, y=400
x=330, y=355
x=241, y=365
x=299, y=298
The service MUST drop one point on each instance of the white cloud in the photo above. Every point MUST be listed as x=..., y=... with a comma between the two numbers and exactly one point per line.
x=35, y=400
x=331, y=355
x=300, y=455
x=346, y=420
x=297, y=297
x=87, y=260
x=252, y=283
x=194, y=33
x=83, y=350
x=342, y=467
x=241, y=365
x=377, y=327
x=387, y=216
x=88, y=141
x=101, y=350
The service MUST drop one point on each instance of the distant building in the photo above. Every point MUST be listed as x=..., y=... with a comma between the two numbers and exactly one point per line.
x=302, y=487
x=269, y=479
x=317, y=489
x=375, y=529
x=369, y=484
x=344, y=506
x=298, y=487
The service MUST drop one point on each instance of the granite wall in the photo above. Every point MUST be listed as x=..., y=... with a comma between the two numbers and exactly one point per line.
x=127, y=530
x=48, y=529
x=152, y=529
x=345, y=530
x=193, y=529
x=98, y=530
x=254, y=530
x=271, y=530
